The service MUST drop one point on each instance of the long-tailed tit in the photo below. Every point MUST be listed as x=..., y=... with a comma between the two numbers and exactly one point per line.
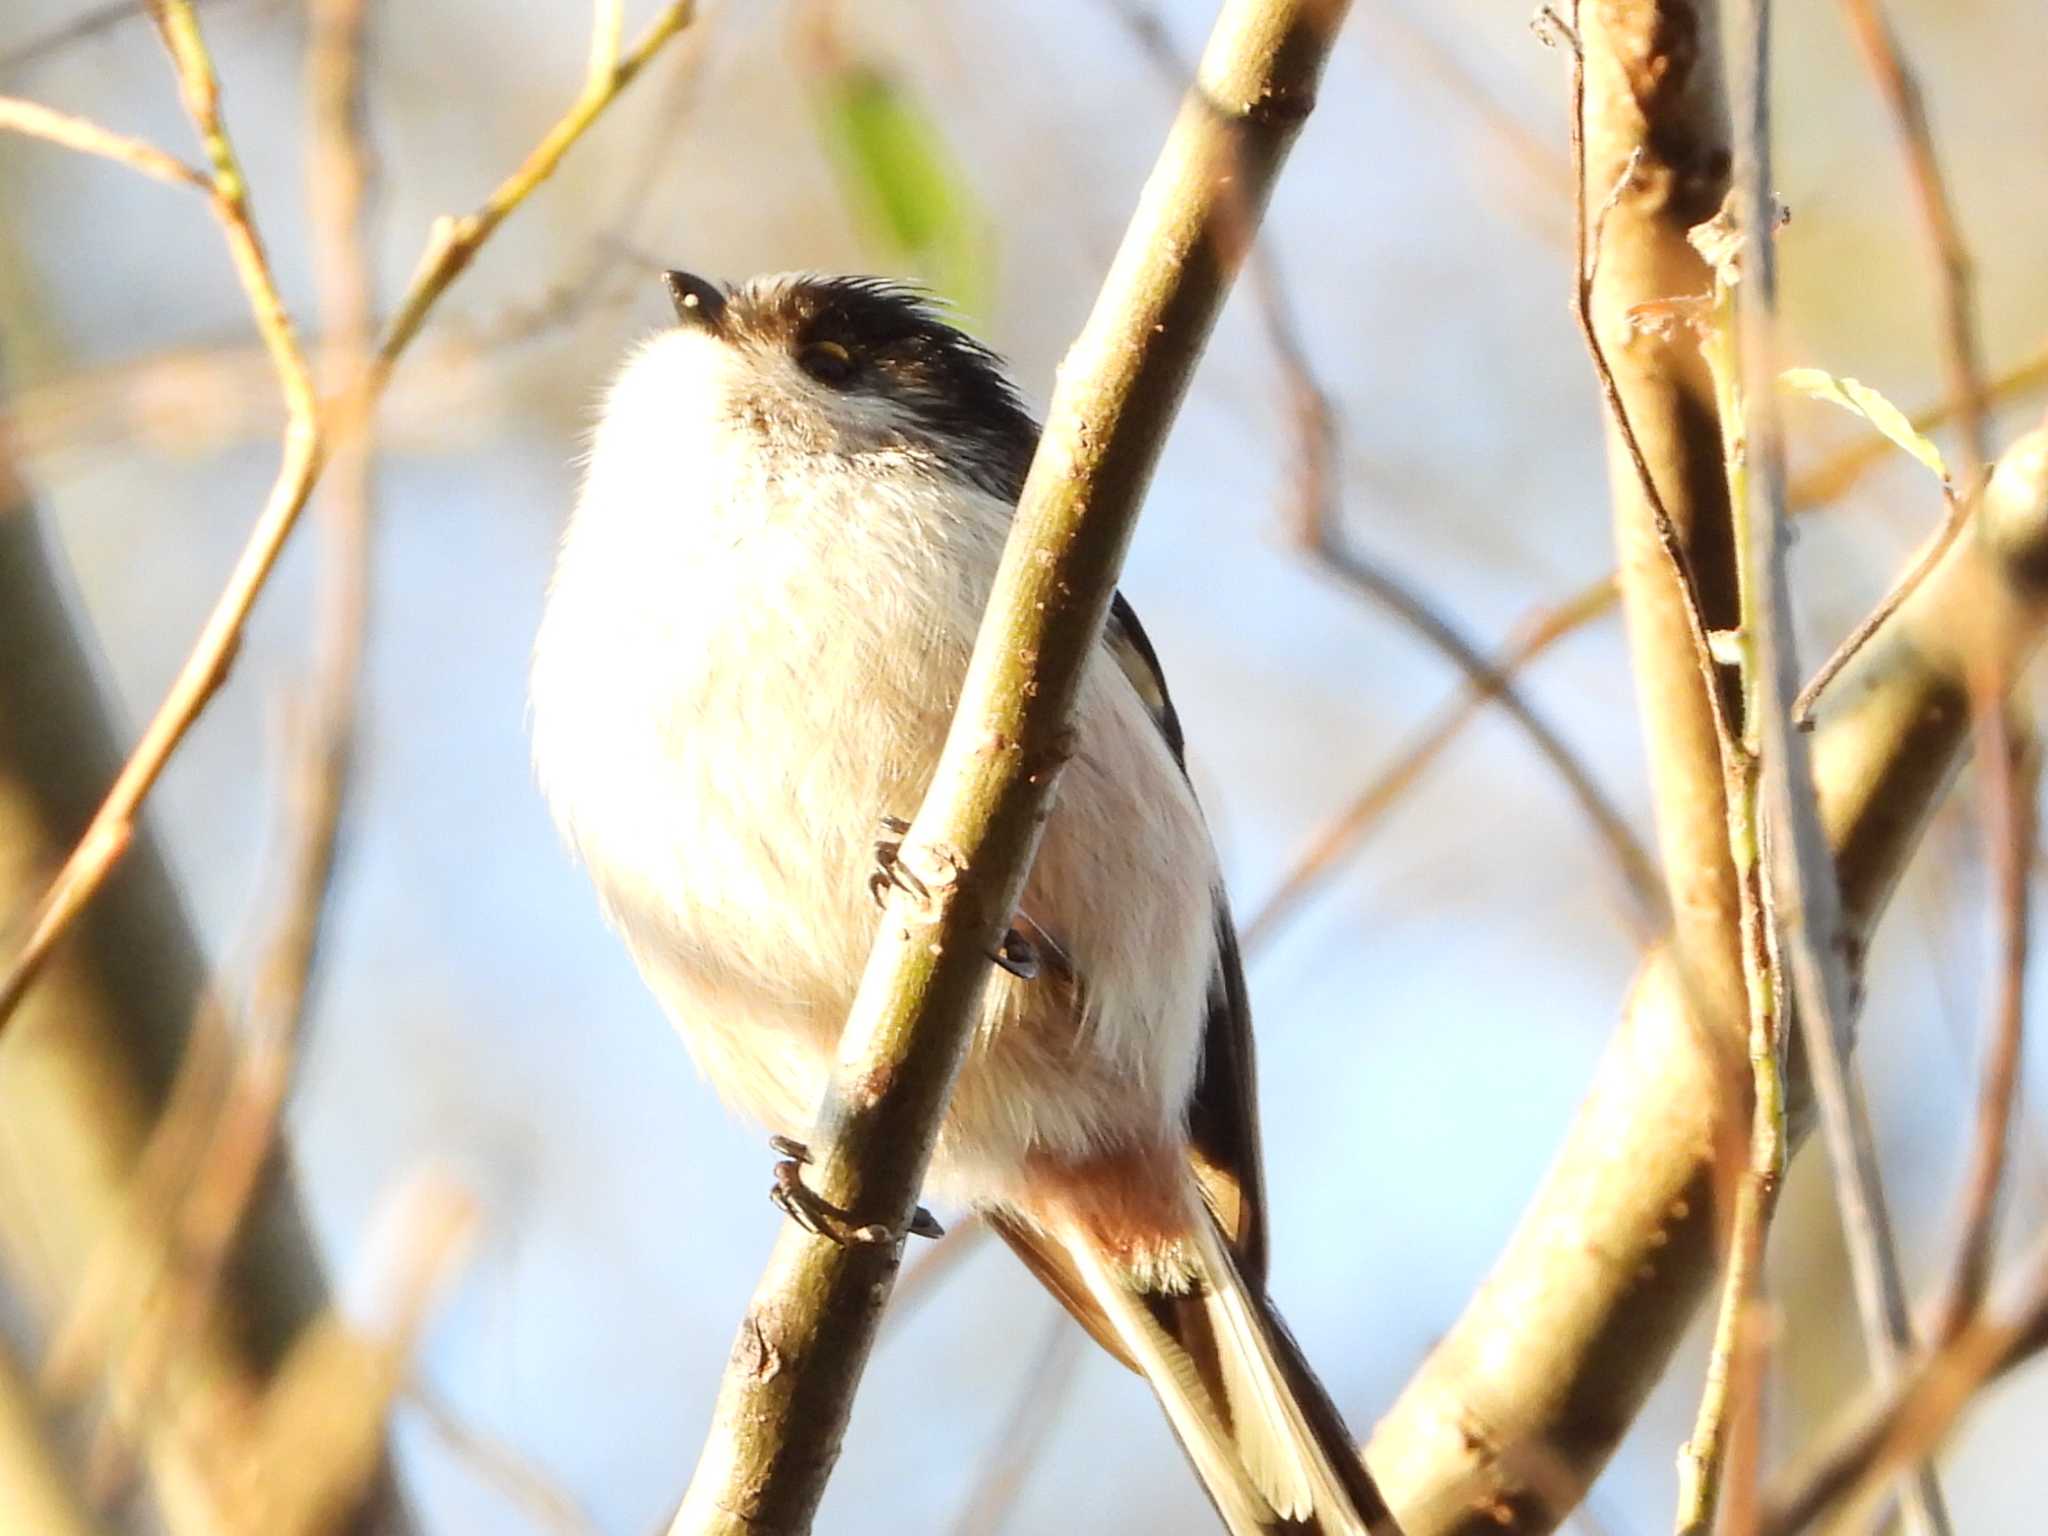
x=756, y=634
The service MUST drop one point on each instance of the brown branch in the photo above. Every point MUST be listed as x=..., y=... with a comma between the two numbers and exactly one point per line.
x=450, y=248
x=1650, y=152
x=37, y=1494
x=87, y=1072
x=1341, y=835
x=1962, y=355
x=1902, y=1424
x=1314, y=519
x=1805, y=906
x=2010, y=766
x=207, y=1188
x=1953, y=518
x=89, y=138
x=1832, y=478
x=783, y=1406
x=1490, y=684
x=1519, y=1406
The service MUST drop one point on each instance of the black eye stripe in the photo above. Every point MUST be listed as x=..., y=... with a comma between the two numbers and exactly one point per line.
x=950, y=392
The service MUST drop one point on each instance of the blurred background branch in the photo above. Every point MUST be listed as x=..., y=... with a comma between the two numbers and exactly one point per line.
x=1429, y=1008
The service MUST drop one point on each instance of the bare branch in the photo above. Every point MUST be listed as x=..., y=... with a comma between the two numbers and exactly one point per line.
x=783, y=1406
x=1315, y=520
x=2010, y=765
x=453, y=244
x=36, y=1492
x=1650, y=150
x=1805, y=904
x=1962, y=355
x=1519, y=1406
x=1903, y=1423
x=1341, y=835
x=87, y=137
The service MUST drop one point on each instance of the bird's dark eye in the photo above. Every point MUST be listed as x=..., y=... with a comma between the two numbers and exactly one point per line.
x=828, y=362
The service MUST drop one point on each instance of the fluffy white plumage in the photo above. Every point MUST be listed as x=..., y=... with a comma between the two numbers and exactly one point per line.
x=756, y=633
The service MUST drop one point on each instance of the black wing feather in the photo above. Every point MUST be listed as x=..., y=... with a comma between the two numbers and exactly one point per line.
x=1223, y=1115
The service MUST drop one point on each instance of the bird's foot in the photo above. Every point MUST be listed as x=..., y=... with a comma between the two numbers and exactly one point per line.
x=819, y=1216
x=1016, y=954
x=889, y=868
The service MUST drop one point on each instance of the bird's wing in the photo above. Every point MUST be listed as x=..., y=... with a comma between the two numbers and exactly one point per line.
x=1223, y=1117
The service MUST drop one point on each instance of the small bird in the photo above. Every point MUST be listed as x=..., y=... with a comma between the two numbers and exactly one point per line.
x=758, y=628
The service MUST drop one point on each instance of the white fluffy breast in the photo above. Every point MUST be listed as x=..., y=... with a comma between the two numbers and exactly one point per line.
x=751, y=652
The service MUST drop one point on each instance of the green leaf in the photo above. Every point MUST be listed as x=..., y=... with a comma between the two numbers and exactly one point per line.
x=1866, y=402
x=904, y=186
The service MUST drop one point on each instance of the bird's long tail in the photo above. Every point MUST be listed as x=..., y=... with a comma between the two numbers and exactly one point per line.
x=1263, y=1435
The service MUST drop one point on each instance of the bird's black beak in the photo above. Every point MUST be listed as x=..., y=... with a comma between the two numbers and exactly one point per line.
x=698, y=303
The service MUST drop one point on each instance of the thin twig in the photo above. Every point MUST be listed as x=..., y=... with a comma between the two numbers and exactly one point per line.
x=87, y=137
x=1702, y=1458
x=111, y=830
x=1902, y=1423
x=2009, y=764
x=1833, y=478
x=1490, y=684
x=1540, y=176
x=784, y=1403
x=1033, y=1413
x=1712, y=1463
x=1586, y=249
x=1956, y=513
x=536, y=1494
x=1341, y=835
x=94, y=22
x=1594, y=1292
x=450, y=248
x=1315, y=521
x=1805, y=900
x=453, y=242
x=1962, y=353
x=211, y=1211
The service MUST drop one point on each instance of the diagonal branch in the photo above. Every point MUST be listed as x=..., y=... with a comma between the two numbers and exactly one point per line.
x=1314, y=520
x=1901, y=1424
x=1961, y=352
x=1515, y=1411
x=784, y=1403
x=2010, y=766
x=89, y=138
x=450, y=248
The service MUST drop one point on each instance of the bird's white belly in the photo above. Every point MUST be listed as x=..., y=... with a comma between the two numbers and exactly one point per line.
x=731, y=835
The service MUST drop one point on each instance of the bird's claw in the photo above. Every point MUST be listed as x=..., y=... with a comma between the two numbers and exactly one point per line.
x=889, y=868
x=1017, y=955
x=819, y=1216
